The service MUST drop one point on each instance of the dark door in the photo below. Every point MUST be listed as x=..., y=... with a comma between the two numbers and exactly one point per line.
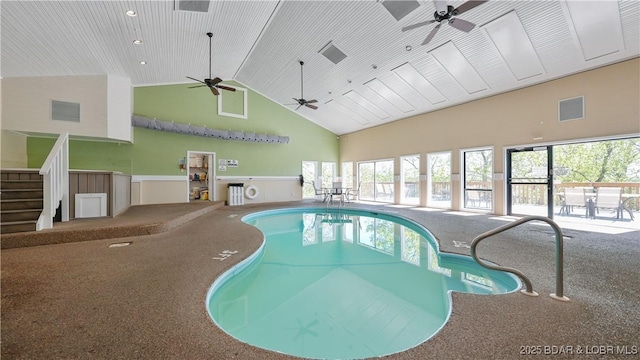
x=530, y=181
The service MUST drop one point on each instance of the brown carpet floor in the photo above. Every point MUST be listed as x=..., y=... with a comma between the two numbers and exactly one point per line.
x=79, y=298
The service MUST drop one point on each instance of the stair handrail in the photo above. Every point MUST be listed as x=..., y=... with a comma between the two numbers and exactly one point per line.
x=558, y=295
x=55, y=179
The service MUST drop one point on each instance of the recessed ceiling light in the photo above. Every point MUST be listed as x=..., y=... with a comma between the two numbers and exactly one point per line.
x=131, y=13
x=374, y=66
x=137, y=41
x=408, y=47
x=143, y=63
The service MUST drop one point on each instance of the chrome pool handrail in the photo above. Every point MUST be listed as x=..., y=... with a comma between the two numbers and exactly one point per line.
x=558, y=295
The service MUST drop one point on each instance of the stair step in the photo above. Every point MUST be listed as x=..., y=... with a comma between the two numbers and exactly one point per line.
x=19, y=215
x=17, y=226
x=21, y=204
x=21, y=184
x=12, y=194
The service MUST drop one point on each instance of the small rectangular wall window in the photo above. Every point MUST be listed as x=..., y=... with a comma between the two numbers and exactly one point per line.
x=233, y=103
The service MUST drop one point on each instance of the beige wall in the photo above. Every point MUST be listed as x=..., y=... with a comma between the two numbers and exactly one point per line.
x=274, y=189
x=612, y=96
x=166, y=189
x=13, y=153
x=158, y=191
x=105, y=105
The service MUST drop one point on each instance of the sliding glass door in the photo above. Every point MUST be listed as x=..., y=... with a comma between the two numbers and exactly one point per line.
x=376, y=180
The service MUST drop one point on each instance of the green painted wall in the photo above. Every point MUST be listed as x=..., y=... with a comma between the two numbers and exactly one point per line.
x=84, y=155
x=157, y=153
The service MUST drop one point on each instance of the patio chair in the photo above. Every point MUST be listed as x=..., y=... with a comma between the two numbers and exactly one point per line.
x=321, y=196
x=352, y=194
x=336, y=190
x=573, y=197
x=609, y=198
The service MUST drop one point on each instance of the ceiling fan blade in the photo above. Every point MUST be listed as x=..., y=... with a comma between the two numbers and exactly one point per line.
x=197, y=86
x=468, y=6
x=214, y=91
x=463, y=25
x=417, y=25
x=298, y=107
x=225, y=88
x=441, y=6
x=215, y=80
x=312, y=101
x=200, y=81
x=311, y=106
x=431, y=34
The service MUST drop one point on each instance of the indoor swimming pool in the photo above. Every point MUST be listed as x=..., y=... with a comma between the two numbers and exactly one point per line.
x=343, y=284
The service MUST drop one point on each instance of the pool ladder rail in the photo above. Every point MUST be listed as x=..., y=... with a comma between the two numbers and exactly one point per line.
x=558, y=295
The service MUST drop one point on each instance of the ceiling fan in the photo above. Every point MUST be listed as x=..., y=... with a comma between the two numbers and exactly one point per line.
x=302, y=101
x=213, y=84
x=447, y=12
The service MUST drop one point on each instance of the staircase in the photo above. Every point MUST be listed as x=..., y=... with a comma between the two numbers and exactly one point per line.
x=21, y=200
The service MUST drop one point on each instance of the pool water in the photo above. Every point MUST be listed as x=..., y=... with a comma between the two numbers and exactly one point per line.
x=343, y=284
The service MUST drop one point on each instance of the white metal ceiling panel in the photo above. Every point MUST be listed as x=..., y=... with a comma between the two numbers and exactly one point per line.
x=259, y=44
x=597, y=24
x=509, y=36
x=350, y=114
x=383, y=90
x=414, y=79
x=457, y=65
x=361, y=101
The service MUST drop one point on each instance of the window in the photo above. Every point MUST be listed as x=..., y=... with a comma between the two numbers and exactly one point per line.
x=309, y=173
x=376, y=180
x=439, y=180
x=478, y=180
x=347, y=175
x=233, y=103
x=328, y=174
x=410, y=179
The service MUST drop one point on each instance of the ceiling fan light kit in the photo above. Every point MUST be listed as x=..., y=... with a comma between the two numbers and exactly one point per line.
x=447, y=12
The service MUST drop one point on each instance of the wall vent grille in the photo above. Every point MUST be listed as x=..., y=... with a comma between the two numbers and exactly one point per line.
x=65, y=111
x=571, y=109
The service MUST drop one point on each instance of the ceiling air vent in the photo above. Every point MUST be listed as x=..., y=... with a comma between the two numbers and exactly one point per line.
x=400, y=9
x=571, y=109
x=192, y=5
x=65, y=111
x=332, y=53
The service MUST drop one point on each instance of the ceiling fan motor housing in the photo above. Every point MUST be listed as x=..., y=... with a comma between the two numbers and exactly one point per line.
x=451, y=11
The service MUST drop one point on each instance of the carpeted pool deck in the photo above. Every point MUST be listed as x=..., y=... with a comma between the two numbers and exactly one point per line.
x=79, y=298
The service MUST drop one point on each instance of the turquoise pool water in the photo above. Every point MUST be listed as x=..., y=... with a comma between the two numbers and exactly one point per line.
x=347, y=284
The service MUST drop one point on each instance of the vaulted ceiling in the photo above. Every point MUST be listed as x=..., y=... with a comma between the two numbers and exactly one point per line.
x=387, y=73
